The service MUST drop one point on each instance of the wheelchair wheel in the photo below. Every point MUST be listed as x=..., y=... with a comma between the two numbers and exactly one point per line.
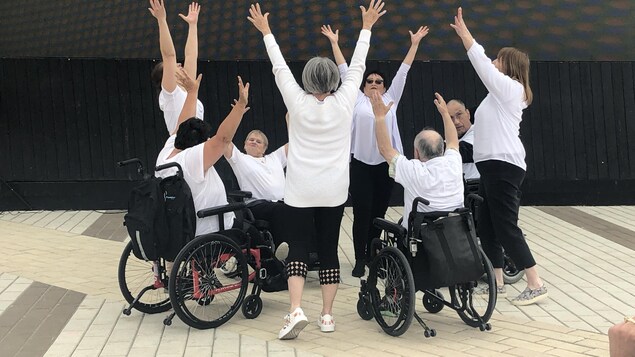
x=134, y=275
x=483, y=305
x=202, y=295
x=392, y=291
x=432, y=302
x=364, y=310
x=252, y=306
x=511, y=274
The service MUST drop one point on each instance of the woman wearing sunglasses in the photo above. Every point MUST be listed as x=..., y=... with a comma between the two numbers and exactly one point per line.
x=370, y=186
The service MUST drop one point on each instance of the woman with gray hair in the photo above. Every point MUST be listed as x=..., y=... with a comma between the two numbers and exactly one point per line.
x=316, y=187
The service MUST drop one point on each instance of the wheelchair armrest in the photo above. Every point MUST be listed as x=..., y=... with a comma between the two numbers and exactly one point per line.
x=206, y=212
x=391, y=227
x=239, y=196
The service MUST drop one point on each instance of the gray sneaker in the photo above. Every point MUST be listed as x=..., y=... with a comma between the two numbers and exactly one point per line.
x=528, y=296
x=282, y=251
x=501, y=291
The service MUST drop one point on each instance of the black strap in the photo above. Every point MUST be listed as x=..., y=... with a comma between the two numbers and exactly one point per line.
x=444, y=245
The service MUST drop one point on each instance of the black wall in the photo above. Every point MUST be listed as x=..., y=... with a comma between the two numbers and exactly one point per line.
x=64, y=123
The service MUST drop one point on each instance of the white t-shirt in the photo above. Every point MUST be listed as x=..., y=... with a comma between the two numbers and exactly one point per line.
x=496, y=137
x=171, y=103
x=207, y=187
x=262, y=176
x=319, y=131
x=363, y=142
x=469, y=168
x=439, y=181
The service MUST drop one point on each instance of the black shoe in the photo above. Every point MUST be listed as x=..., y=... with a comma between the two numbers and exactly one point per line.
x=360, y=269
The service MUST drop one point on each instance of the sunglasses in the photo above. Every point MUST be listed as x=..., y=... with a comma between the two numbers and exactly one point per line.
x=377, y=81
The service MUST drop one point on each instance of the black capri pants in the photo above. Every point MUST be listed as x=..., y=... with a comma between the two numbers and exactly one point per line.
x=325, y=222
x=498, y=214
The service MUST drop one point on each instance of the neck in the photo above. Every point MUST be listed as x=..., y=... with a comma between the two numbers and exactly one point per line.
x=321, y=96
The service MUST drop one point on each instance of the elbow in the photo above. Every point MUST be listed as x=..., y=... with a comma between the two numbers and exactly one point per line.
x=168, y=54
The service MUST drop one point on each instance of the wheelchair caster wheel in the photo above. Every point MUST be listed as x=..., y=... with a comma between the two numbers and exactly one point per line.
x=433, y=332
x=432, y=303
x=426, y=334
x=482, y=327
x=363, y=310
x=252, y=306
x=488, y=326
x=126, y=312
x=167, y=321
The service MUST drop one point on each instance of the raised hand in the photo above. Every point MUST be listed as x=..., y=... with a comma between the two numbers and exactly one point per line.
x=186, y=82
x=332, y=36
x=379, y=108
x=192, y=14
x=157, y=9
x=459, y=25
x=243, y=92
x=374, y=12
x=260, y=21
x=416, y=37
x=441, y=105
x=244, y=110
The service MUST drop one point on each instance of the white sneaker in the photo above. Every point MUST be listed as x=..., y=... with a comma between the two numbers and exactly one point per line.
x=229, y=266
x=282, y=251
x=326, y=323
x=294, y=323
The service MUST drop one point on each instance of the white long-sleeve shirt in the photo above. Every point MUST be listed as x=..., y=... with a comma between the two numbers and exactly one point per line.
x=363, y=143
x=319, y=131
x=498, y=116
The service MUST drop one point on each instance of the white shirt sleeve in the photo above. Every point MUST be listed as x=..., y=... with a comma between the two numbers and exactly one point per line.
x=192, y=162
x=287, y=85
x=355, y=73
x=398, y=84
x=281, y=155
x=502, y=87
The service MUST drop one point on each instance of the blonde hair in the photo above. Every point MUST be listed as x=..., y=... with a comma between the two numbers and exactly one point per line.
x=262, y=135
x=515, y=63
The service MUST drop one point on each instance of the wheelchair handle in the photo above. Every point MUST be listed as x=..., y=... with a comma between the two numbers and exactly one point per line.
x=135, y=160
x=239, y=195
x=417, y=200
x=473, y=197
x=179, y=170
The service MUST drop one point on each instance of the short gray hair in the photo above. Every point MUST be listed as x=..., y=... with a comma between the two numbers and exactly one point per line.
x=428, y=144
x=320, y=75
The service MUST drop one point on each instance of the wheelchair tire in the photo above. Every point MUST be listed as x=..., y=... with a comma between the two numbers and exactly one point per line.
x=197, y=271
x=483, y=304
x=432, y=303
x=511, y=274
x=252, y=306
x=392, y=291
x=136, y=274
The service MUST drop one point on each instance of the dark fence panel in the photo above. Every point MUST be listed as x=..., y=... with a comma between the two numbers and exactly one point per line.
x=65, y=123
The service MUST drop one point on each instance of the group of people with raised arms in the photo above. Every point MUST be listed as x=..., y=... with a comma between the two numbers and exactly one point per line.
x=341, y=136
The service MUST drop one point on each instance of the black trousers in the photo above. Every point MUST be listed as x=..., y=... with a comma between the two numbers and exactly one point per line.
x=370, y=190
x=325, y=222
x=274, y=214
x=498, y=214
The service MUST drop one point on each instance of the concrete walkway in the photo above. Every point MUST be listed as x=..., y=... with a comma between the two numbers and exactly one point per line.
x=59, y=296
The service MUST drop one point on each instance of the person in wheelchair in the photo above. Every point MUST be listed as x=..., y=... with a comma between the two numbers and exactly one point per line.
x=434, y=173
x=263, y=176
x=461, y=119
x=197, y=149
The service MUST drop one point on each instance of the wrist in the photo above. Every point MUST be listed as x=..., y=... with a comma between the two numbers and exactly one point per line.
x=629, y=319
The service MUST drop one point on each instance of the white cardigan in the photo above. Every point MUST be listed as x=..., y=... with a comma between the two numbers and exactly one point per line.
x=319, y=131
x=497, y=119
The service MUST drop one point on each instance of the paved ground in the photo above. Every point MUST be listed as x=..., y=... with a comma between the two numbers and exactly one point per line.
x=59, y=296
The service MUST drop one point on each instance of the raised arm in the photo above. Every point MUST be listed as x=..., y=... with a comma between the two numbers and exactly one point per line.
x=168, y=54
x=191, y=45
x=415, y=39
x=191, y=87
x=381, y=130
x=451, y=137
x=215, y=147
x=333, y=39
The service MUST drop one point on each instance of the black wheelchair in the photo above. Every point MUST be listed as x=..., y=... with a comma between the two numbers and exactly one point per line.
x=209, y=278
x=438, y=249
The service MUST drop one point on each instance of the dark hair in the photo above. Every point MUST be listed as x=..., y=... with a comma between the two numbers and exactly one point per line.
x=377, y=72
x=192, y=132
x=157, y=75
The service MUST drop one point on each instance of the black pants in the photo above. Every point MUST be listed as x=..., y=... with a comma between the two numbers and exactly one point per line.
x=498, y=214
x=325, y=222
x=370, y=191
x=274, y=214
